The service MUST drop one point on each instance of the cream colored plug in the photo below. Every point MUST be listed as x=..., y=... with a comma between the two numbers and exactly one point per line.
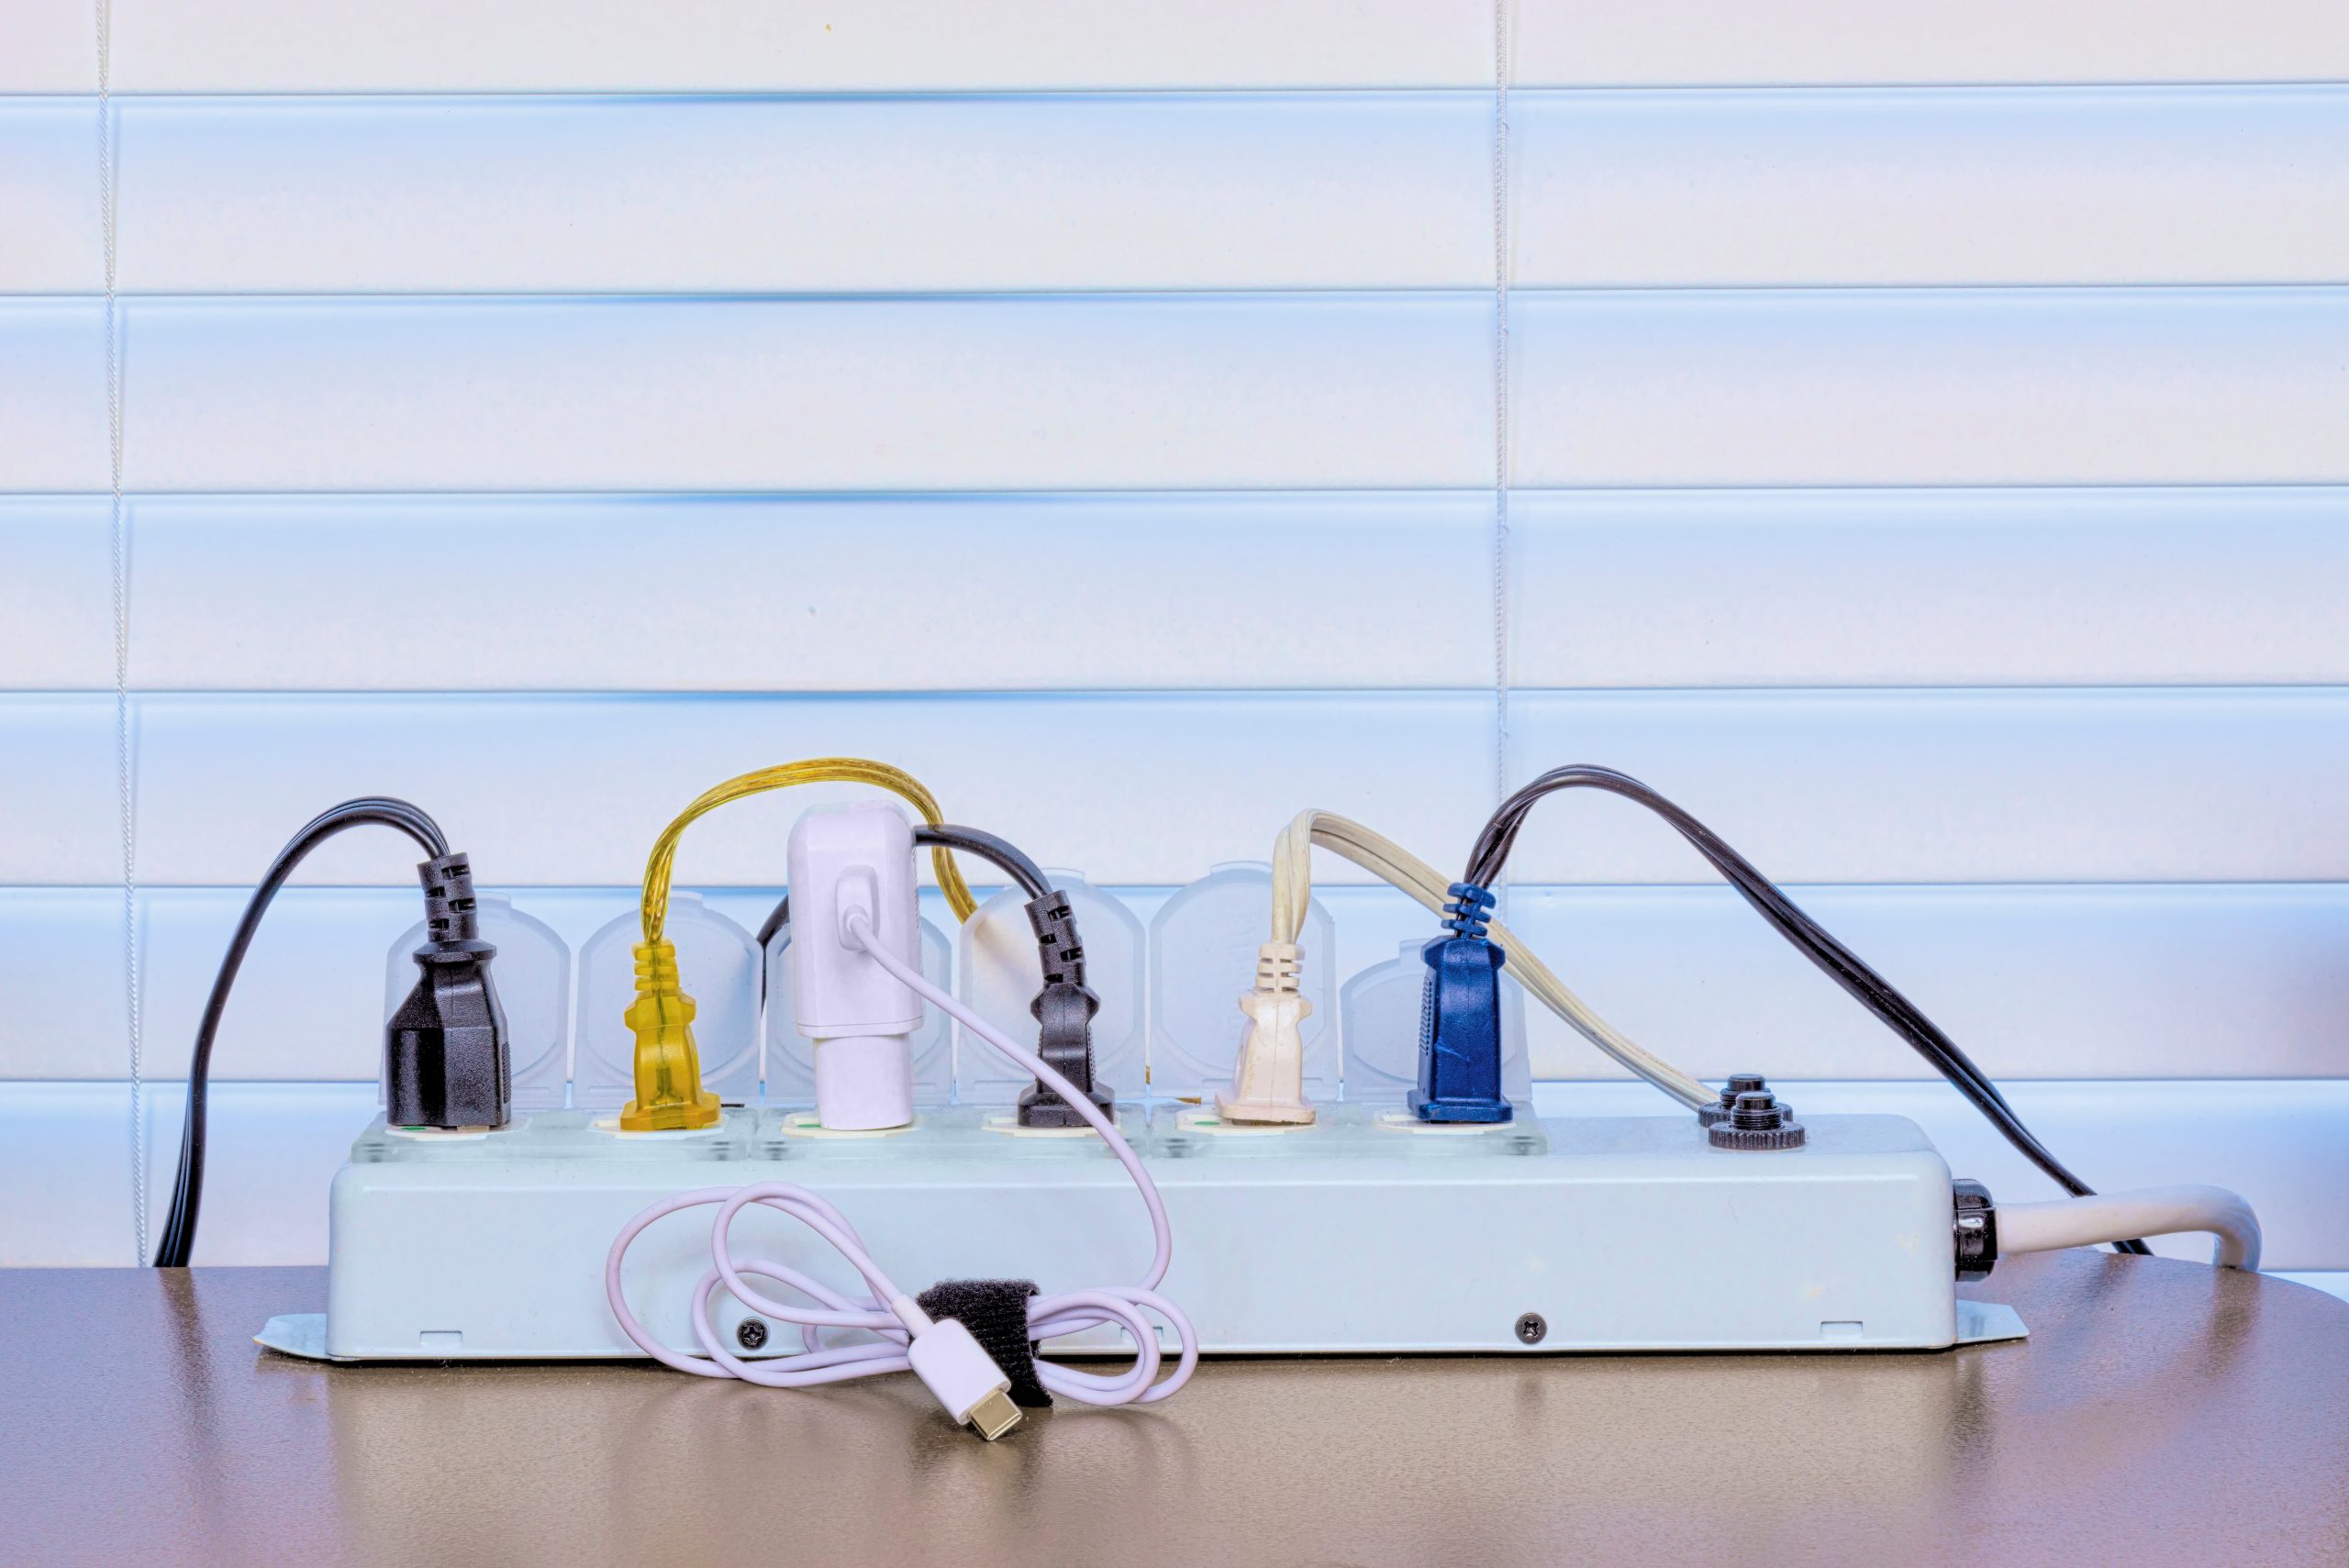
x=1268, y=1081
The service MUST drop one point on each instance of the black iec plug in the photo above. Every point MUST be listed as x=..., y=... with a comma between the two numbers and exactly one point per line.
x=444, y=1050
x=1064, y=1011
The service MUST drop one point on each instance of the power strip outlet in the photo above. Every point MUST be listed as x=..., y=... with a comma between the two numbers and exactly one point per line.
x=1364, y=1232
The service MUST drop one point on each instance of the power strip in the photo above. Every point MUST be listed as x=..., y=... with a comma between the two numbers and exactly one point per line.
x=1364, y=1232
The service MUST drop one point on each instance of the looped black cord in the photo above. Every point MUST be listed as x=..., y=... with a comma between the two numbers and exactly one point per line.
x=1840, y=962
x=187, y=1189
x=1012, y=862
x=1006, y=857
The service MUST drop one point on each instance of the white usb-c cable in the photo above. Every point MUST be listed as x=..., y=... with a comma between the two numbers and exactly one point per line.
x=942, y=1352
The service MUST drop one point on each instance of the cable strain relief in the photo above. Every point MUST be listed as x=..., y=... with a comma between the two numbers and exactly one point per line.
x=451, y=911
x=1468, y=910
x=661, y=1003
x=1054, y=924
x=656, y=967
x=1278, y=966
x=1974, y=1224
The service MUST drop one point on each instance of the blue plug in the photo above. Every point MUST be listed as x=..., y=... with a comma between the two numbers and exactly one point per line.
x=1460, y=1017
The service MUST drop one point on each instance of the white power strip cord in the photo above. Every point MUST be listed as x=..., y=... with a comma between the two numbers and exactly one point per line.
x=940, y=1353
x=2151, y=1211
x=1293, y=890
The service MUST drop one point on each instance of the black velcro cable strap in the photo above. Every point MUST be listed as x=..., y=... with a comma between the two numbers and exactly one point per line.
x=995, y=1312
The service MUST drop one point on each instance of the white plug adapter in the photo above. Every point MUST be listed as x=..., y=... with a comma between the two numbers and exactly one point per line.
x=1268, y=1079
x=859, y=1016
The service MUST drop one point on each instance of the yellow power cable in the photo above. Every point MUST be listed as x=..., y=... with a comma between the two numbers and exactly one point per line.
x=669, y=1095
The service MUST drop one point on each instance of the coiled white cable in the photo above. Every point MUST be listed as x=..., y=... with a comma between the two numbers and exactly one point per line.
x=1293, y=889
x=888, y=1312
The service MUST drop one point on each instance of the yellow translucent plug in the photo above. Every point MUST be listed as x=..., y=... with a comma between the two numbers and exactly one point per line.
x=669, y=1095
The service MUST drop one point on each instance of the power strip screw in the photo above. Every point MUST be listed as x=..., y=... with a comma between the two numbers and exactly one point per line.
x=751, y=1334
x=1530, y=1329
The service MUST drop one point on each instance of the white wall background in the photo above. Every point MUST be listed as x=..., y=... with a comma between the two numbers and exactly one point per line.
x=1929, y=428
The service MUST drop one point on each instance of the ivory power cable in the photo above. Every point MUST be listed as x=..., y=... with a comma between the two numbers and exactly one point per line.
x=1381, y=856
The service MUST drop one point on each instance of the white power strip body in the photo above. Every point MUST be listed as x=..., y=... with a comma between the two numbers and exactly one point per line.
x=1355, y=1235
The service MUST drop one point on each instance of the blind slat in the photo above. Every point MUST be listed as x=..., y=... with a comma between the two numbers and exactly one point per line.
x=1689, y=42
x=49, y=46
x=1682, y=589
x=52, y=395
x=896, y=45
x=270, y=46
x=1821, y=786
x=1093, y=192
x=1926, y=587
x=1995, y=387
x=1970, y=186
x=679, y=194
x=49, y=192
x=1028, y=591
x=57, y=792
x=894, y=395
x=1999, y=386
x=56, y=594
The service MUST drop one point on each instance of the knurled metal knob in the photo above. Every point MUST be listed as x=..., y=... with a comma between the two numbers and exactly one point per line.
x=1756, y=1120
x=1739, y=1083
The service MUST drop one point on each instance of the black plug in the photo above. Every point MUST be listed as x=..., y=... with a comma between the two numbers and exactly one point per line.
x=445, y=1055
x=1064, y=1011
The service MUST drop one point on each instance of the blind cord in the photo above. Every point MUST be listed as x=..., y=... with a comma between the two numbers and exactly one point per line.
x=1500, y=401
x=118, y=544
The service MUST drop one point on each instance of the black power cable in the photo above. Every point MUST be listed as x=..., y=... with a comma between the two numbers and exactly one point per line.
x=1012, y=862
x=1840, y=962
x=187, y=1189
x=1065, y=1009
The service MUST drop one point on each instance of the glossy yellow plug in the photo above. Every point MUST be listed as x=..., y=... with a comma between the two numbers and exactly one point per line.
x=669, y=1095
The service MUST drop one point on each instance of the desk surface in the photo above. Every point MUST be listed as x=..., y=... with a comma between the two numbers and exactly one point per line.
x=2160, y=1413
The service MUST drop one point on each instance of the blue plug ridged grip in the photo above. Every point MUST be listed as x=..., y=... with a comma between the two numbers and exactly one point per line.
x=1460, y=1017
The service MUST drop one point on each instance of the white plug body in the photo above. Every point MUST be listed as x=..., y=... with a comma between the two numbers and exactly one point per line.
x=860, y=1018
x=1268, y=1079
